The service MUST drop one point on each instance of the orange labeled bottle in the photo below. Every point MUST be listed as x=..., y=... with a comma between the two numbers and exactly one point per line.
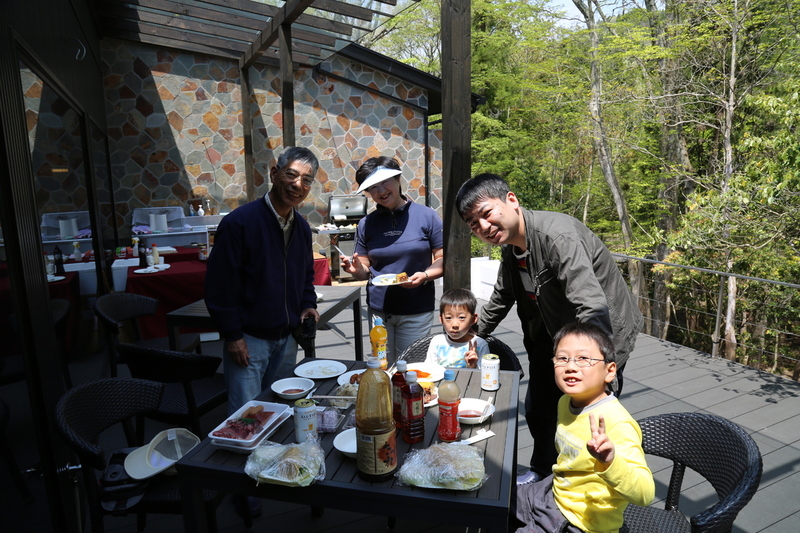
x=449, y=400
x=398, y=380
x=376, y=448
x=412, y=410
x=378, y=337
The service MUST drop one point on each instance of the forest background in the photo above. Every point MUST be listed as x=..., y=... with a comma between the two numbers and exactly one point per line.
x=669, y=127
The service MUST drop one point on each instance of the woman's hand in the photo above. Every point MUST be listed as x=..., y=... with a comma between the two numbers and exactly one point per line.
x=415, y=280
x=356, y=266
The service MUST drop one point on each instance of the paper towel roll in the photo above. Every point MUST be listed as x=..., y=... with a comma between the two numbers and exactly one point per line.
x=158, y=223
x=68, y=228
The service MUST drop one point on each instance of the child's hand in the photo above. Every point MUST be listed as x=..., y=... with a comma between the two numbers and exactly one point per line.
x=471, y=357
x=600, y=446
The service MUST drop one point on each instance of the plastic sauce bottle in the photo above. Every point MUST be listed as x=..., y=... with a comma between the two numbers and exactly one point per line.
x=398, y=380
x=449, y=399
x=376, y=449
x=378, y=337
x=412, y=410
x=155, y=254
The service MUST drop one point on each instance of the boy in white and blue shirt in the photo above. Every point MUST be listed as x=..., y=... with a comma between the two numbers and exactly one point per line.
x=458, y=346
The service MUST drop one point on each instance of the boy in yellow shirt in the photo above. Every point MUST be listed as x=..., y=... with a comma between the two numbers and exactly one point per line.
x=601, y=465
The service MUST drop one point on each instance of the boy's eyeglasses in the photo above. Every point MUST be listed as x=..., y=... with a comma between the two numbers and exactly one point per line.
x=580, y=361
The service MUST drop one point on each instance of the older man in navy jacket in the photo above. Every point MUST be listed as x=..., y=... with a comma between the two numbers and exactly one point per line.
x=260, y=278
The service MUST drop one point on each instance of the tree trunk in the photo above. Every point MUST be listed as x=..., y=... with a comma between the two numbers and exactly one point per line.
x=730, y=315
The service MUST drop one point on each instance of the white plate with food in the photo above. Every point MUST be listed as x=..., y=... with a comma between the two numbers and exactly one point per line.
x=427, y=371
x=347, y=377
x=390, y=279
x=431, y=393
x=51, y=279
x=322, y=369
x=238, y=448
x=148, y=270
x=248, y=424
x=162, y=266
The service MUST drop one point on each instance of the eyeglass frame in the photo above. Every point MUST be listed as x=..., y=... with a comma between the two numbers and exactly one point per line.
x=591, y=362
x=291, y=175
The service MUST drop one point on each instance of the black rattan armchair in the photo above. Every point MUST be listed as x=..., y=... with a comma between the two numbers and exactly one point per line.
x=717, y=449
x=418, y=349
x=122, y=309
x=85, y=412
x=193, y=386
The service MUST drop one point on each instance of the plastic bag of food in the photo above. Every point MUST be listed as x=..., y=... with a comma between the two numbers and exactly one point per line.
x=293, y=465
x=444, y=466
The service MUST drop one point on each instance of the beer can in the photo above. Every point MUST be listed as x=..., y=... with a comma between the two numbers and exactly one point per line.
x=490, y=372
x=305, y=420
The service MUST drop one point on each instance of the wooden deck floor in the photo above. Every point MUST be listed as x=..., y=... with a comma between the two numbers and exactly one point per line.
x=659, y=378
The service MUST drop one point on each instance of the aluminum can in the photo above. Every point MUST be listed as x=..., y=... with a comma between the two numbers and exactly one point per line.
x=490, y=372
x=305, y=420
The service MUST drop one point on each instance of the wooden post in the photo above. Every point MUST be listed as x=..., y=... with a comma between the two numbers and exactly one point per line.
x=287, y=84
x=247, y=132
x=456, y=160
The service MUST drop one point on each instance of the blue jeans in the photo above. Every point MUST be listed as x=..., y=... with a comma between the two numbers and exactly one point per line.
x=402, y=330
x=266, y=357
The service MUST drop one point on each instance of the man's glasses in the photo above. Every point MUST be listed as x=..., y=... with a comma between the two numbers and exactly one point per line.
x=580, y=361
x=292, y=176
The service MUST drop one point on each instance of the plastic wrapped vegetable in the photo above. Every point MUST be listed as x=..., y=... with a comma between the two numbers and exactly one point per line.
x=444, y=466
x=293, y=465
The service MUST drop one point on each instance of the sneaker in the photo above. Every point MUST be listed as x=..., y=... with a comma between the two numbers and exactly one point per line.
x=528, y=477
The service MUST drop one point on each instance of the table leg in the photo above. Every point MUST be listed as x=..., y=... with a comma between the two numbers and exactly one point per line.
x=357, y=332
x=194, y=519
x=173, y=333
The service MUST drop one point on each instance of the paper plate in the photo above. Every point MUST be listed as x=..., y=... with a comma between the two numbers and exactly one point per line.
x=385, y=280
x=147, y=270
x=435, y=372
x=322, y=369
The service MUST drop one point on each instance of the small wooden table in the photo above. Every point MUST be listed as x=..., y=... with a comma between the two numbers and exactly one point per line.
x=334, y=300
x=209, y=467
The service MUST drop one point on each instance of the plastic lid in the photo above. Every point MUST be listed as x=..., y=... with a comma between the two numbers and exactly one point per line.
x=411, y=377
x=378, y=321
x=402, y=365
x=373, y=362
x=449, y=374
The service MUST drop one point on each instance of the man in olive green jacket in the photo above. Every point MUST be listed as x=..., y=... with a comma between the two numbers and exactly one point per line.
x=557, y=271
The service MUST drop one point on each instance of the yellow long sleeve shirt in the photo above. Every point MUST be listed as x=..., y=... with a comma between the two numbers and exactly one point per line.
x=595, y=500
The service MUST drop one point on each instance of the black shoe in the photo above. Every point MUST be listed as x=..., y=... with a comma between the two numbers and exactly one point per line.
x=240, y=503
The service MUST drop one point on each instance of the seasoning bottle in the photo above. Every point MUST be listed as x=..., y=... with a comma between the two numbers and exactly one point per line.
x=378, y=337
x=412, y=410
x=398, y=380
x=376, y=449
x=156, y=260
x=449, y=400
x=142, y=255
x=58, y=260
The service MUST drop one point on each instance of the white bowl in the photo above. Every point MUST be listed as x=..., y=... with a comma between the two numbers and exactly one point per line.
x=474, y=406
x=345, y=442
x=303, y=384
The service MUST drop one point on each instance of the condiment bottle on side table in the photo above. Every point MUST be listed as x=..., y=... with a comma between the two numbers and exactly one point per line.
x=398, y=380
x=412, y=410
x=142, y=255
x=376, y=448
x=449, y=400
x=378, y=338
x=156, y=260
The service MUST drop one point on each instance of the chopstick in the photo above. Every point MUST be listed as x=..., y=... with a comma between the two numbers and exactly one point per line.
x=322, y=397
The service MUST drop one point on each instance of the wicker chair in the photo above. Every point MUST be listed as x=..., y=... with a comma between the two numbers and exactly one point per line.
x=86, y=411
x=193, y=386
x=418, y=349
x=717, y=449
x=120, y=309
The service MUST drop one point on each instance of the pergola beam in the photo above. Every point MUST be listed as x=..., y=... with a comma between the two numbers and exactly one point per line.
x=285, y=16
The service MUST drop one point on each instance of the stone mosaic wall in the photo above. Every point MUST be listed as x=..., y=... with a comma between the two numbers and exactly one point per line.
x=175, y=129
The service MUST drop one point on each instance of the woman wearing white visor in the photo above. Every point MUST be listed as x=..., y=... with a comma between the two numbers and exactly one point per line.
x=398, y=236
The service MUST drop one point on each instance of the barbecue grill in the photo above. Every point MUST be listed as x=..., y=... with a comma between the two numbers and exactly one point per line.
x=344, y=212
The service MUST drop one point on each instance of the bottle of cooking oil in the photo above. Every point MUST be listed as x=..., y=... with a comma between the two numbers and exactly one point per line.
x=376, y=449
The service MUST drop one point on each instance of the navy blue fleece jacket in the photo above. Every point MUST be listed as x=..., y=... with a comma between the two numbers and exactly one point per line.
x=254, y=284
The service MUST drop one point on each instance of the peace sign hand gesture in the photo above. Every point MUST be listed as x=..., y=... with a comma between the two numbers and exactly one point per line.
x=471, y=357
x=600, y=446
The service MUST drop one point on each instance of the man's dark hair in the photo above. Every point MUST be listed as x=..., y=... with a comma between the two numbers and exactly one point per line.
x=592, y=332
x=369, y=166
x=481, y=187
x=299, y=154
x=458, y=298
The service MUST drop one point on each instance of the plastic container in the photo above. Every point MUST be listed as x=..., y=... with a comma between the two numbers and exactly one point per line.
x=375, y=430
x=412, y=411
x=449, y=400
x=398, y=380
x=378, y=338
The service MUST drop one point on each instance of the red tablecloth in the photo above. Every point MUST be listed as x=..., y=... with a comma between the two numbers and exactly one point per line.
x=322, y=272
x=182, y=253
x=181, y=284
